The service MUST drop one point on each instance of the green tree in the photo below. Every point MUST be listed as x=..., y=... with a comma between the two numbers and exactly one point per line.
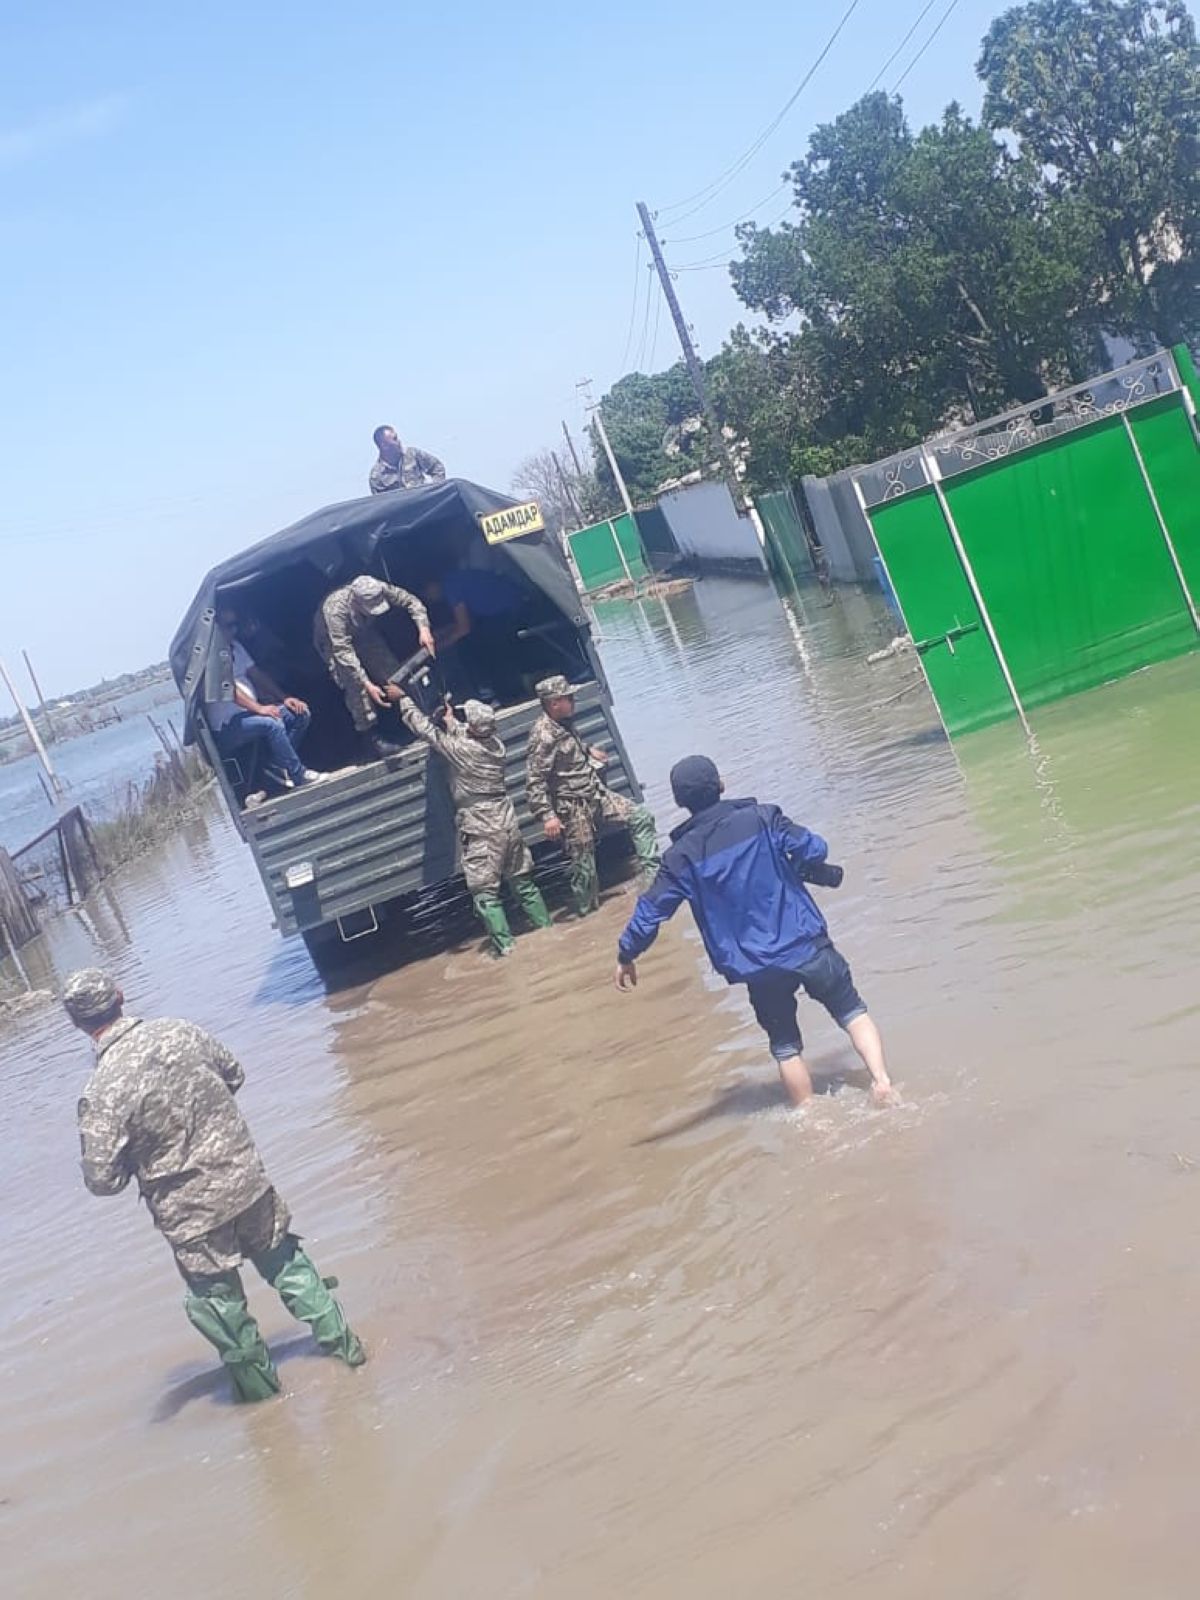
x=653, y=428
x=932, y=277
x=1105, y=96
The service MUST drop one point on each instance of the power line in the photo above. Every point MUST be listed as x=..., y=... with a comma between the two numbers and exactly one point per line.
x=945, y=17
x=694, y=238
x=707, y=263
x=637, y=284
x=921, y=15
x=724, y=179
x=645, y=324
x=658, y=300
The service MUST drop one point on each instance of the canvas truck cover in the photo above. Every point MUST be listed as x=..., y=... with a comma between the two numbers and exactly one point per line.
x=359, y=536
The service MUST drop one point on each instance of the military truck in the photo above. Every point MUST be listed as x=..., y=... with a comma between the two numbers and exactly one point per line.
x=377, y=841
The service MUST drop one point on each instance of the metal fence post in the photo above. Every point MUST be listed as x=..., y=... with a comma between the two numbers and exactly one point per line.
x=934, y=473
x=1162, y=521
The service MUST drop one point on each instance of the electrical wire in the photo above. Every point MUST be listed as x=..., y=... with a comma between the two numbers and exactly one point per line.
x=945, y=17
x=694, y=238
x=637, y=286
x=658, y=300
x=921, y=15
x=724, y=179
x=641, y=360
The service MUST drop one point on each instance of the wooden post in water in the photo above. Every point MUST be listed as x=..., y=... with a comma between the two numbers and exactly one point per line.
x=79, y=853
x=31, y=730
x=18, y=923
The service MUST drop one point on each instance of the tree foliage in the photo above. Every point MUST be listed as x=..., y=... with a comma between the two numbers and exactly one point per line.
x=924, y=278
x=653, y=428
x=1104, y=96
x=537, y=478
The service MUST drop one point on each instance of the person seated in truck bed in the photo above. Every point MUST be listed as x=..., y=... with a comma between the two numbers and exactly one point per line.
x=481, y=638
x=359, y=658
x=258, y=725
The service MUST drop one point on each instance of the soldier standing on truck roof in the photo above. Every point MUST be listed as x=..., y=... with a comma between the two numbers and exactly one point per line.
x=493, y=850
x=402, y=466
x=358, y=657
x=159, y=1107
x=562, y=778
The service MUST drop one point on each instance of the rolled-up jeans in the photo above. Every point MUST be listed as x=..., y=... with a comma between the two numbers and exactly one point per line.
x=278, y=737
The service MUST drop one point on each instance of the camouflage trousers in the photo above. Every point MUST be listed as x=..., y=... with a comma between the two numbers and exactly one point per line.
x=490, y=857
x=256, y=1231
x=582, y=822
x=378, y=662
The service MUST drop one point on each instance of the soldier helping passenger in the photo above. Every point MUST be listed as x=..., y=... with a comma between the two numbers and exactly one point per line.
x=359, y=658
x=491, y=847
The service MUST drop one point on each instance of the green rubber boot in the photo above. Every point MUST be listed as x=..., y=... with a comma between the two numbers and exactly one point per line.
x=585, y=882
x=643, y=830
x=219, y=1312
x=489, y=908
x=306, y=1295
x=529, y=897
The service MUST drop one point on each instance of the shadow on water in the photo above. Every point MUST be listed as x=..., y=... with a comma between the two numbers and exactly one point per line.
x=752, y=1098
x=214, y=1386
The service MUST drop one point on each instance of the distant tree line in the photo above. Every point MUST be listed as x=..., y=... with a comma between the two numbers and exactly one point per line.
x=929, y=277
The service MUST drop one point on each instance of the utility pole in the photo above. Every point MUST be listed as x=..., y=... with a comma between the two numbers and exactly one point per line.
x=692, y=360
x=586, y=385
x=41, y=698
x=34, y=736
x=567, y=488
x=572, y=449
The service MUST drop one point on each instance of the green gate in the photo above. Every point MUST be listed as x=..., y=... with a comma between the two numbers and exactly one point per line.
x=608, y=552
x=1051, y=549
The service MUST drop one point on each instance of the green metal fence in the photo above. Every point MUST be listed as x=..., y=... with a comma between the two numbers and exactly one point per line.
x=787, y=549
x=607, y=552
x=1049, y=550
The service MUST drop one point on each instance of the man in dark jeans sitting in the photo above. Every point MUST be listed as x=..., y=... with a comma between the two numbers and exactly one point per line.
x=250, y=729
x=741, y=867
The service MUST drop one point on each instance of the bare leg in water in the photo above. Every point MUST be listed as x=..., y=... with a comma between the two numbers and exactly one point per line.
x=864, y=1036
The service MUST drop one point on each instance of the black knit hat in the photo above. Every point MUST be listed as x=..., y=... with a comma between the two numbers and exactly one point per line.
x=695, y=783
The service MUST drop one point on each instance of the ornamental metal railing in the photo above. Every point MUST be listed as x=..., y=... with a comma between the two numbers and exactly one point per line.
x=1020, y=429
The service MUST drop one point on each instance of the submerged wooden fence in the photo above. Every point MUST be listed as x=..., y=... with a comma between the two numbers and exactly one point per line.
x=60, y=867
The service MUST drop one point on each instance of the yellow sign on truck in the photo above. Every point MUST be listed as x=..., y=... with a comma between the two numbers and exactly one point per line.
x=512, y=523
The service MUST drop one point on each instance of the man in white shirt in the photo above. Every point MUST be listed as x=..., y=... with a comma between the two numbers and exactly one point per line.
x=260, y=720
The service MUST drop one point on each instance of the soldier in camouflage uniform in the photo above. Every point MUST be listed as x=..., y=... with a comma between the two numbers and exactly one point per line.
x=358, y=657
x=402, y=466
x=493, y=850
x=159, y=1108
x=565, y=789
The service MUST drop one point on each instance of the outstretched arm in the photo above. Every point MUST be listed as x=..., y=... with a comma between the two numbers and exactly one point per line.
x=657, y=905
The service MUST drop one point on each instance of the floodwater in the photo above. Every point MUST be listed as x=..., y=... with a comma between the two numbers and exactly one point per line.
x=637, y=1330
x=95, y=769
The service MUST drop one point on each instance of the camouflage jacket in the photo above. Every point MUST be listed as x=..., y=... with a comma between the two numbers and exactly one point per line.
x=476, y=772
x=414, y=468
x=338, y=627
x=159, y=1107
x=558, y=769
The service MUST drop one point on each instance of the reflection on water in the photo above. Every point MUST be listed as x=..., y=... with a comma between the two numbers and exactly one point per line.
x=636, y=1329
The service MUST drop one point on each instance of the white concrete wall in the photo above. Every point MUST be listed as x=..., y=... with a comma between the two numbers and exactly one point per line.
x=707, y=527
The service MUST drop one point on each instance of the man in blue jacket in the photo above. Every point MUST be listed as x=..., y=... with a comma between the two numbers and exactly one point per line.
x=741, y=867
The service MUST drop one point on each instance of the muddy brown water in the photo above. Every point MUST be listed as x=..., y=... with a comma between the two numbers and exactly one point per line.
x=635, y=1329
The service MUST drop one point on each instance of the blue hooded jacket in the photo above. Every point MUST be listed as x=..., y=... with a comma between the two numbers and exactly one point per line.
x=733, y=864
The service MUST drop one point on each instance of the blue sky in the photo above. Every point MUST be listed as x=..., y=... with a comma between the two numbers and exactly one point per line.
x=236, y=237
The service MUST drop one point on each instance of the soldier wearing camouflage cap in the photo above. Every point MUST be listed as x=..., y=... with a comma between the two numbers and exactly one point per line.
x=565, y=789
x=492, y=849
x=159, y=1108
x=359, y=659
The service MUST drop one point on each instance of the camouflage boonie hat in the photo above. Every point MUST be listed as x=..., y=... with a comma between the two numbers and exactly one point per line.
x=480, y=717
x=88, y=994
x=367, y=594
x=553, y=688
